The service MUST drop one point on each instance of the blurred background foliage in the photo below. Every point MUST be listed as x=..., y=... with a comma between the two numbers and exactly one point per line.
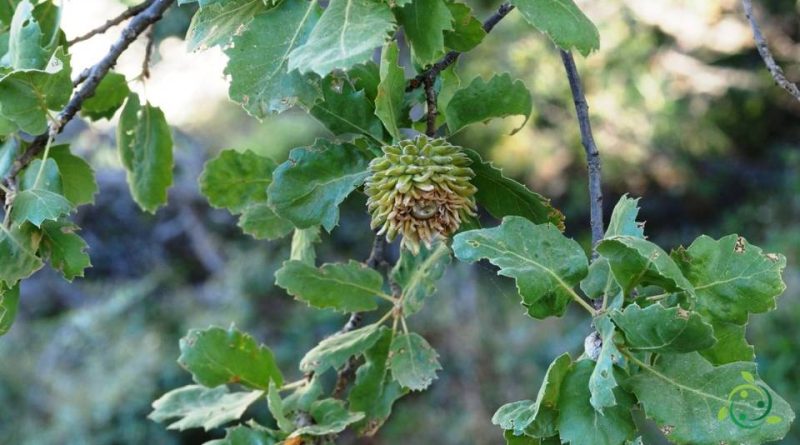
x=684, y=113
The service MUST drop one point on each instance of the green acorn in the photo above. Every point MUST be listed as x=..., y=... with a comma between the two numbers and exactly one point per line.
x=420, y=188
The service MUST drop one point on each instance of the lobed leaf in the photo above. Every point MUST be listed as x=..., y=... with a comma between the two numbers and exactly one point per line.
x=344, y=287
x=64, y=248
x=481, y=101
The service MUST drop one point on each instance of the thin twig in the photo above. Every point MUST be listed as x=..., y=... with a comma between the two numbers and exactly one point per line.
x=125, y=15
x=451, y=57
x=430, y=99
x=763, y=49
x=592, y=154
x=129, y=34
x=148, y=52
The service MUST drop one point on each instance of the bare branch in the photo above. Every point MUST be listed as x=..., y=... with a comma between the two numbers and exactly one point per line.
x=451, y=57
x=148, y=53
x=126, y=14
x=592, y=154
x=136, y=27
x=430, y=99
x=763, y=49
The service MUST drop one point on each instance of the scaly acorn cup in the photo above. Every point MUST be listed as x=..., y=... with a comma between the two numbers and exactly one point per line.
x=420, y=188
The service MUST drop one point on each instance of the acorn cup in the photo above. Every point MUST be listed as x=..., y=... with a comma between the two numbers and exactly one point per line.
x=420, y=188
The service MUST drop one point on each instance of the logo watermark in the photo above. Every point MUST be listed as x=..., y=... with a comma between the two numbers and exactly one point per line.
x=749, y=405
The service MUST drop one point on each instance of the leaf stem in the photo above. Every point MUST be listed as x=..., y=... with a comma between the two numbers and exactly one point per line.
x=296, y=384
x=44, y=160
x=582, y=302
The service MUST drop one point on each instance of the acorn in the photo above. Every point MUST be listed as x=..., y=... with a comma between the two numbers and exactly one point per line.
x=420, y=188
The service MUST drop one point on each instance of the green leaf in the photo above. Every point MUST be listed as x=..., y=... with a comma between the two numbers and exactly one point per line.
x=731, y=345
x=107, y=99
x=467, y=31
x=254, y=435
x=413, y=361
x=366, y=76
x=481, y=101
x=636, y=261
x=330, y=417
x=216, y=356
x=545, y=264
x=733, y=277
x=235, y=180
x=302, y=397
x=65, y=250
x=389, y=103
x=9, y=302
x=217, y=23
x=344, y=287
x=308, y=188
x=8, y=154
x=563, y=22
x=303, y=242
x=602, y=381
x=623, y=219
x=258, y=60
x=145, y=147
x=78, y=181
x=346, y=111
x=25, y=47
x=374, y=392
x=27, y=95
x=521, y=439
x=261, y=222
x=660, y=329
x=580, y=424
x=424, y=23
x=196, y=406
x=688, y=396
x=38, y=205
x=275, y=404
x=18, y=246
x=539, y=418
x=49, y=180
x=417, y=275
x=347, y=34
x=502, y=196
x=335, y=350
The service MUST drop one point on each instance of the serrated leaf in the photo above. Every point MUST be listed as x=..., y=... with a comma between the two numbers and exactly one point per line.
x=196, y=406
x=467, y=31
x=345, y=287
x=623, y=219
x=335, y=350
x=258, y=60
x=107, y=99
x=216, y=356
x=9, y=302
x=374, y=392
x=635, y=261
x=25, y=45
x=78, y=183
x=144, y=141
x=347, y=34
x=660, y=329
x=685, y=394
x=537, y=418
x=217, y=23
x=563, y=22
x=18, y=246
x=502, y=196
x=234, y=180
x=733, y=277
x=65, y=249
x=343, y=110
x=417, y=275
x=580, y=424
x=731, y=345
x=330, y=416
x=26, y=96
x=545, y=264
x=481, y=101
x=602, y=382
x=308, y=188
x=303, y=242
x=261, y=222
x=38, y=205
x=390, y=98
x=424, y=23
x=413, y=361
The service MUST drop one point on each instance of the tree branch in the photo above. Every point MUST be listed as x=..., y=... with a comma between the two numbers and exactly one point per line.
x=592, y=154
x=430, y=100
x=451, y=57
x=136, y=27
x=125, y=15
x=763, y=49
